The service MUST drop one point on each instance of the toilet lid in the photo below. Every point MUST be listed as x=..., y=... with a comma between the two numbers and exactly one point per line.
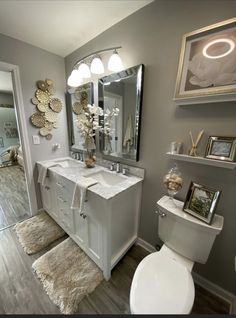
x=161, y=285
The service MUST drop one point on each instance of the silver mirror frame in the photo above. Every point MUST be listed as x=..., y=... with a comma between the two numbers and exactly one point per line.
x=139, y=96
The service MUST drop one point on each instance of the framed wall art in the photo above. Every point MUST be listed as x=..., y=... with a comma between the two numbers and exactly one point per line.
x=221, y=148
x=207, y=68
x=201, y=202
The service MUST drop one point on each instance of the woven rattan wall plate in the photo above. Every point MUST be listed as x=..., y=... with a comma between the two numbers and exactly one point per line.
x=44, y=131
x=34, y=101
x=42, y=85
x=48, y=125
x=42, y=107
x=56, y=105
x=38, y=120
x=77, y=108
x=42, y=96
x=49, y=137
x=51, y=116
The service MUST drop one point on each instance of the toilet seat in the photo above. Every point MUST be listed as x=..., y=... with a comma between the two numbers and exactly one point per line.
x=161, y=285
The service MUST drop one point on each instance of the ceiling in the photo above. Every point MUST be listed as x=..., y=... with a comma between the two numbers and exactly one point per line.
x=61, y=26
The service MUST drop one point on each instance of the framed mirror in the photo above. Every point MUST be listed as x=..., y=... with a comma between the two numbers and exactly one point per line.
x=120, y=97
x=75, y=99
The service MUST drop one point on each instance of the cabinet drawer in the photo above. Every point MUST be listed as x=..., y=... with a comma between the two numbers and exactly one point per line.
x=64, y=188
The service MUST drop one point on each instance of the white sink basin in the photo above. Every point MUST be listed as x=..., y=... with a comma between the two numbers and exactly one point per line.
x=106, y=178
x=69, y=163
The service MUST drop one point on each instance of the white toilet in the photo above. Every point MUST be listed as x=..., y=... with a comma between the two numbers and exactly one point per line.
x=162, y=283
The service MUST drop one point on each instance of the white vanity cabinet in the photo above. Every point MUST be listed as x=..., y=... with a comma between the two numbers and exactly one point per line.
x=48, y=195
x=108, y=225
x=64, y=189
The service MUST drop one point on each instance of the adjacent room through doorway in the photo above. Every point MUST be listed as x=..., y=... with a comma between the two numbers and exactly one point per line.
x=14, y=202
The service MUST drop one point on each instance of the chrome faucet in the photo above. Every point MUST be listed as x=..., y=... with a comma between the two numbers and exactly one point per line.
x=118, y=167
x=112, y=166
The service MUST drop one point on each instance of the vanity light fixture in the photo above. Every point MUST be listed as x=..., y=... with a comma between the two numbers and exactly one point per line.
x=81, y=68
x=97, y=66
x=74, y=79
x=115, y=63
x=84, y=70
x=223, y=40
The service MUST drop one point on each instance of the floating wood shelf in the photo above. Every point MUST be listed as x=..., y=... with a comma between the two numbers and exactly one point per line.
x=203, y=161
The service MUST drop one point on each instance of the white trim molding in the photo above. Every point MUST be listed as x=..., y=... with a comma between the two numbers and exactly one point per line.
x=203, y=282
x=216, y=290
x=147, y=246
x=21, y=119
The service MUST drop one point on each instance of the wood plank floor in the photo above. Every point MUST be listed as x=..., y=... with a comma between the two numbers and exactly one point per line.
x=14, y=203
x=22, y=293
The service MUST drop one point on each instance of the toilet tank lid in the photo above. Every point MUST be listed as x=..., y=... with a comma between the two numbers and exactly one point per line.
x=166, y=205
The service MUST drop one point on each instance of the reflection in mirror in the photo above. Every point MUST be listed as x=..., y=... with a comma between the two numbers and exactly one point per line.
x=77, y=99
x=120, y=96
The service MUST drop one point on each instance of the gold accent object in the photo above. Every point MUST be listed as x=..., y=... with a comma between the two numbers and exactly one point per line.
x=44, y=131
x=34, y=101
x=38, y=120
x=42, y=96
x=42, y=85
x=77, y=108
x=56, y=105
x=42, y=107
x=51, y=116
x=193, y=151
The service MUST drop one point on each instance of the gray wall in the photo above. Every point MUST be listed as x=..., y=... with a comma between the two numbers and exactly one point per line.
x=36, y=64
x=152, y=36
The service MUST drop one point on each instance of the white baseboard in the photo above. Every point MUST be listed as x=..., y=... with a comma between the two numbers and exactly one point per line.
x=147, y=246
x=216, y=290
x=203, y=282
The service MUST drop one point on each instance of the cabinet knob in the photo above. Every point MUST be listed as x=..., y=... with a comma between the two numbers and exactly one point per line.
x=83, y=215
x=160, y=213
x=47, y=187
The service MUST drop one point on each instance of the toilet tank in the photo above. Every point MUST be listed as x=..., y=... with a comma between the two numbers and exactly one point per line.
x=188, y=236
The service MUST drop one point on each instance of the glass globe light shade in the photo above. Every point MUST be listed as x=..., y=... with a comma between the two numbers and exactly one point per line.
x=115, y=63
x=74, y=79
x=84, y=70
x=97, y=66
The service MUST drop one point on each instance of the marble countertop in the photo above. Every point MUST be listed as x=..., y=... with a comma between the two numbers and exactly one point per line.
x=79, y=171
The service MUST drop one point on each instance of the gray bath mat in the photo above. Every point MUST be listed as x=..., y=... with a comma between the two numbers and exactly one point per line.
x=38, y=232
x=67, y=275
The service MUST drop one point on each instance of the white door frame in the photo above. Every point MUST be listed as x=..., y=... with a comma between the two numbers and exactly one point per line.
x=21, y=119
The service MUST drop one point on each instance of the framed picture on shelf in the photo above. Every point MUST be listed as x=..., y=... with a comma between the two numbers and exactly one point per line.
x=207, y=69
x=1, y=142
x=201, y=202
x=221, y=148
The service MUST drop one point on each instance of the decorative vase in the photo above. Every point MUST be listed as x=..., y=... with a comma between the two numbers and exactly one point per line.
x=89, y=158
x=173, y=182
x=107, y=142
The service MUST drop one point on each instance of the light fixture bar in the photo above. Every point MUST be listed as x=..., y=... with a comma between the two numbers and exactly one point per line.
x=97, y=52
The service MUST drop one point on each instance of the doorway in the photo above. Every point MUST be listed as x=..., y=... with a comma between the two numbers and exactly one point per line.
x=14, y=198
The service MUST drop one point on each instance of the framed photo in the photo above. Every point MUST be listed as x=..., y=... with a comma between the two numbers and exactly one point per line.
x=207, y=69
x=1, y=142
x=221, y=148
x=201, y=202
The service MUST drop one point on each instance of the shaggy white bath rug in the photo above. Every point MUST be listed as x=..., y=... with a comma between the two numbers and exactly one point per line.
x=38, y=232
x=67, y=275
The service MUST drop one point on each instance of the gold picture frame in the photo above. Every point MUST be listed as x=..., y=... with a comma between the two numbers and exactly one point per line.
x=207, y=69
